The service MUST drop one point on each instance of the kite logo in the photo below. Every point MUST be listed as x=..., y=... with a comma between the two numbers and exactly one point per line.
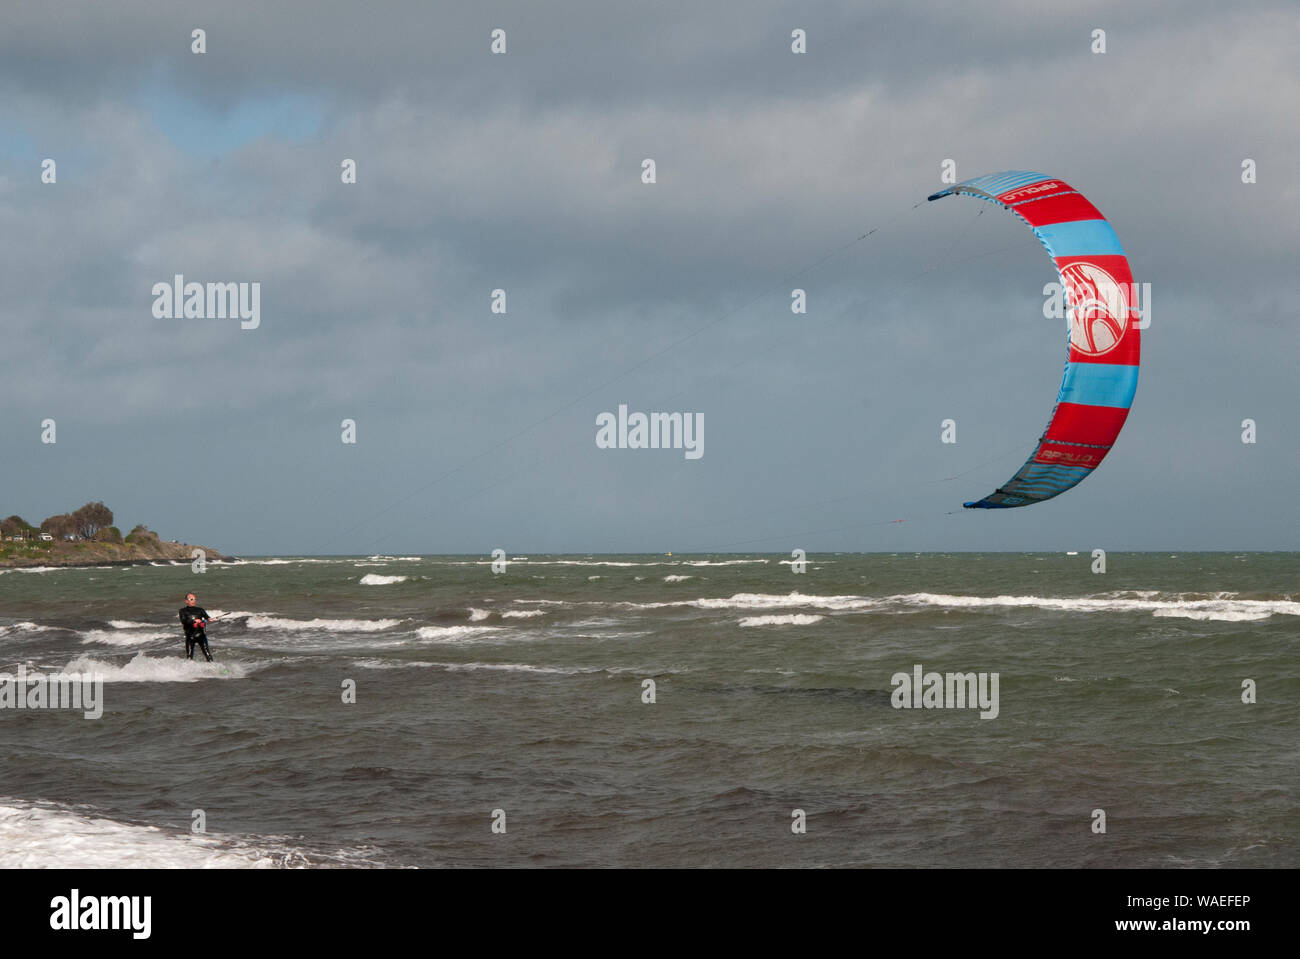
x=1029, y=191
x=1087, y=460
x=1098, y=308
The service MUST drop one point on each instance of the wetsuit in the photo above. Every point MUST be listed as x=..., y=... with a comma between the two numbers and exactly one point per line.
x=194, y=634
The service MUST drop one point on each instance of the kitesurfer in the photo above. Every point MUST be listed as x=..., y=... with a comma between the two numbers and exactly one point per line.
x=194, y=618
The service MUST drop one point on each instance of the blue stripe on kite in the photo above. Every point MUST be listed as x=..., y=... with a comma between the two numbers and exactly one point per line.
x=1045, y=490
x=1048, y=474
x=1053, y=469
x=997, y=183
x=1062, y=482
x=986, y=504
x=1032, y=486
x=1099, y=384
x=1044, y=480
x=1049, y=479
x=1080, y=238
x=994, y=183
x=1036, y=469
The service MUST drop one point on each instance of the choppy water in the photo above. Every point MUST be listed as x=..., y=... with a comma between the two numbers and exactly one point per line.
x=523, y=692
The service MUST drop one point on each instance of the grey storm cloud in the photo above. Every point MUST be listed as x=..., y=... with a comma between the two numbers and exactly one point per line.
x=522, y=172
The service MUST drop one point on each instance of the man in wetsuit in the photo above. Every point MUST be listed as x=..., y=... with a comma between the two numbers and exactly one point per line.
x=194, y=618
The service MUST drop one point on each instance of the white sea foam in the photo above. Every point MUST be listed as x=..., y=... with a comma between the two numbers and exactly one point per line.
x=391, y=664
x=607, y=562
x=234, y=614
x=322, y=625
x=1229, y=610
x=129, y=624
x=123, y=638
x=171, y=669
x=597, y=621
x=374, y=579
x=397, y=559
x=677, y=578
x=515, y=668
x=280, y=561
x=767, y=601
x=793, y=619
x=1222, y=615
x=522, y=613
x=478, y=615
x=451, y=634
x=1219, y=606
x=36, y=836
x=25, y=627
x=460, y=667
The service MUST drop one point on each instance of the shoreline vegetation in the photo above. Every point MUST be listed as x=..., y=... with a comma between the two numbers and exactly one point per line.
x=87, y=537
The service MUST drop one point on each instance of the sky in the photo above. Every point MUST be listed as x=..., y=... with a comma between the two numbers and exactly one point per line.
x=522, y=171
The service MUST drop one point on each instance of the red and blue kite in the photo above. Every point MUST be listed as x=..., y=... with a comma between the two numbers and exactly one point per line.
x=1101, y=368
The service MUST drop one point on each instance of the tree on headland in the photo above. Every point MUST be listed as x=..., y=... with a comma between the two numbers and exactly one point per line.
x=59, y=525
x=91, y=518
x=15, y=526
x=142, y=535
x=97, y=539
x=95, y=536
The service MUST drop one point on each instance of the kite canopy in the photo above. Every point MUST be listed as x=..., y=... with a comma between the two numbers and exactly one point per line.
x=1101, y=367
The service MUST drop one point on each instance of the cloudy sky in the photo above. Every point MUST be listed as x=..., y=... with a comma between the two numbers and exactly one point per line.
x=522, y=171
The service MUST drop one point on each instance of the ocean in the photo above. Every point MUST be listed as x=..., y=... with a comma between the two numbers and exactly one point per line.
x=625, y=711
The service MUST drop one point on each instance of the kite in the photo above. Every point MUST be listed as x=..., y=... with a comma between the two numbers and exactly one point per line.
x=1101, y=366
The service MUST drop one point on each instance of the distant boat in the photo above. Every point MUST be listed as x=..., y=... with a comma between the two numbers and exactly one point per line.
x=1073, y=552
